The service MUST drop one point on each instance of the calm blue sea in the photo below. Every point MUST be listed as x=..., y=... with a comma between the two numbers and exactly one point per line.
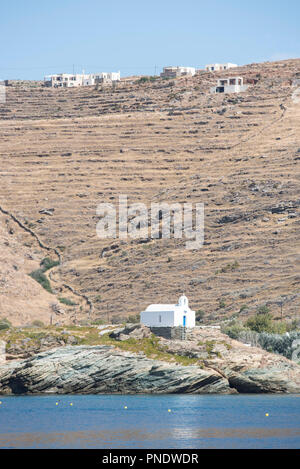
x=194, y=421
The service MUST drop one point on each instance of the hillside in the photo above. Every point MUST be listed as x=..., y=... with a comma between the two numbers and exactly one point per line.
x=65, y=151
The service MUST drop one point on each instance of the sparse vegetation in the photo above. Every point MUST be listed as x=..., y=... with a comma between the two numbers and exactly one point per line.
x=37, y=323
x=228, y=268
x=4, y=324
x=39, y=275
x=260, y=322
x=199, y=315
x=147, y=79
x=48, y=263
x=209, y=347
x=150, y=347
x=263, y=309
x=41, y=278
x=261, y=330
x=134, y=318
x=67, y=301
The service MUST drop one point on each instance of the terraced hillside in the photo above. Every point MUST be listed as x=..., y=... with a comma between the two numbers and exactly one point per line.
x=65, y=151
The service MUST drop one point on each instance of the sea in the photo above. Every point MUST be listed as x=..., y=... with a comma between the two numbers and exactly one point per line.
x=150, y=421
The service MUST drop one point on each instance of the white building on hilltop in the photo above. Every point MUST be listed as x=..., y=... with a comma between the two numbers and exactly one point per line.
x=219, y=67
x=71, y=80
x=158, y=315
x=174, y=72
x=65, y=80
x=229, y=85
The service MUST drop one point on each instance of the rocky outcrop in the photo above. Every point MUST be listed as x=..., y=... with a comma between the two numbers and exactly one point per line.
x=104, y=369
x=2, y=352
x=247, y=369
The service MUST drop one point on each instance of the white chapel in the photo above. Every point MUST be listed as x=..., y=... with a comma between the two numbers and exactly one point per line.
x=158, y=315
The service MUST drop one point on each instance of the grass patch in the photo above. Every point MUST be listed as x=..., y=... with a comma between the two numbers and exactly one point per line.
x=150, y=347
x=66, y=301
x=4, y=324
x=209, y=346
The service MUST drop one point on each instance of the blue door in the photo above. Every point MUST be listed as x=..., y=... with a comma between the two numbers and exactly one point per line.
x=184, y=321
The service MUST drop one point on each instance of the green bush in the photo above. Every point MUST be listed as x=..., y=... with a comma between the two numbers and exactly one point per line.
x=199, y=315
x=260, y=323
x=38, y=323
x=147, y=78
x=271, y=340
x=41, y=278
x=66, y=301
x=263, y=309
x=48, y=263
x=4, y=324
x=134, y=318
x=278, y=343
x=233, y=329
x=98, y=322
x=39, y=275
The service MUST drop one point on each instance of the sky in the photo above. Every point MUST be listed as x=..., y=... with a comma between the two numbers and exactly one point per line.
x=139, y=37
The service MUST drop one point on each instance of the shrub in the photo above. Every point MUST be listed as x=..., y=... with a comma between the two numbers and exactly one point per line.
x=38, y=323
x=66, y=301
x=39, y=275
x=4, y=324
x=143, y=80
x=98, y=322
x=260, y=323
x=233, y=329
x=41, y=278
x=199, y=315
x=48, y=263
x=263, y=309
x=134, y=318
x=278, y=343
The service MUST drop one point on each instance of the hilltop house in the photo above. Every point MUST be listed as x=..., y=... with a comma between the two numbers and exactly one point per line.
x=174, y=72
x=104, y=77
x=219, y=67
x=69, y=80
x=162, y=315
x=229, y=85
x=65, y=80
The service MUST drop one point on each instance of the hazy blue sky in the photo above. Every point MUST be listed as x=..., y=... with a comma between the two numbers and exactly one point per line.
x=39, y=37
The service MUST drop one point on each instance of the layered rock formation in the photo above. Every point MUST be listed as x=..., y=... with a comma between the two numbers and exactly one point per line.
x=224, y=366
x=2, y=352
x=104, y=369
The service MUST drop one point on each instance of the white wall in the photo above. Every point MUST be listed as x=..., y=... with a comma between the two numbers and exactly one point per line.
x=230, y=89
x=190, y=318
x=168, y=318
x=235, y=88
x=151, y=318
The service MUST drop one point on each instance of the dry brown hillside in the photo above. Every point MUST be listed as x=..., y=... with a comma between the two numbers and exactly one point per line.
x=65, y=151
